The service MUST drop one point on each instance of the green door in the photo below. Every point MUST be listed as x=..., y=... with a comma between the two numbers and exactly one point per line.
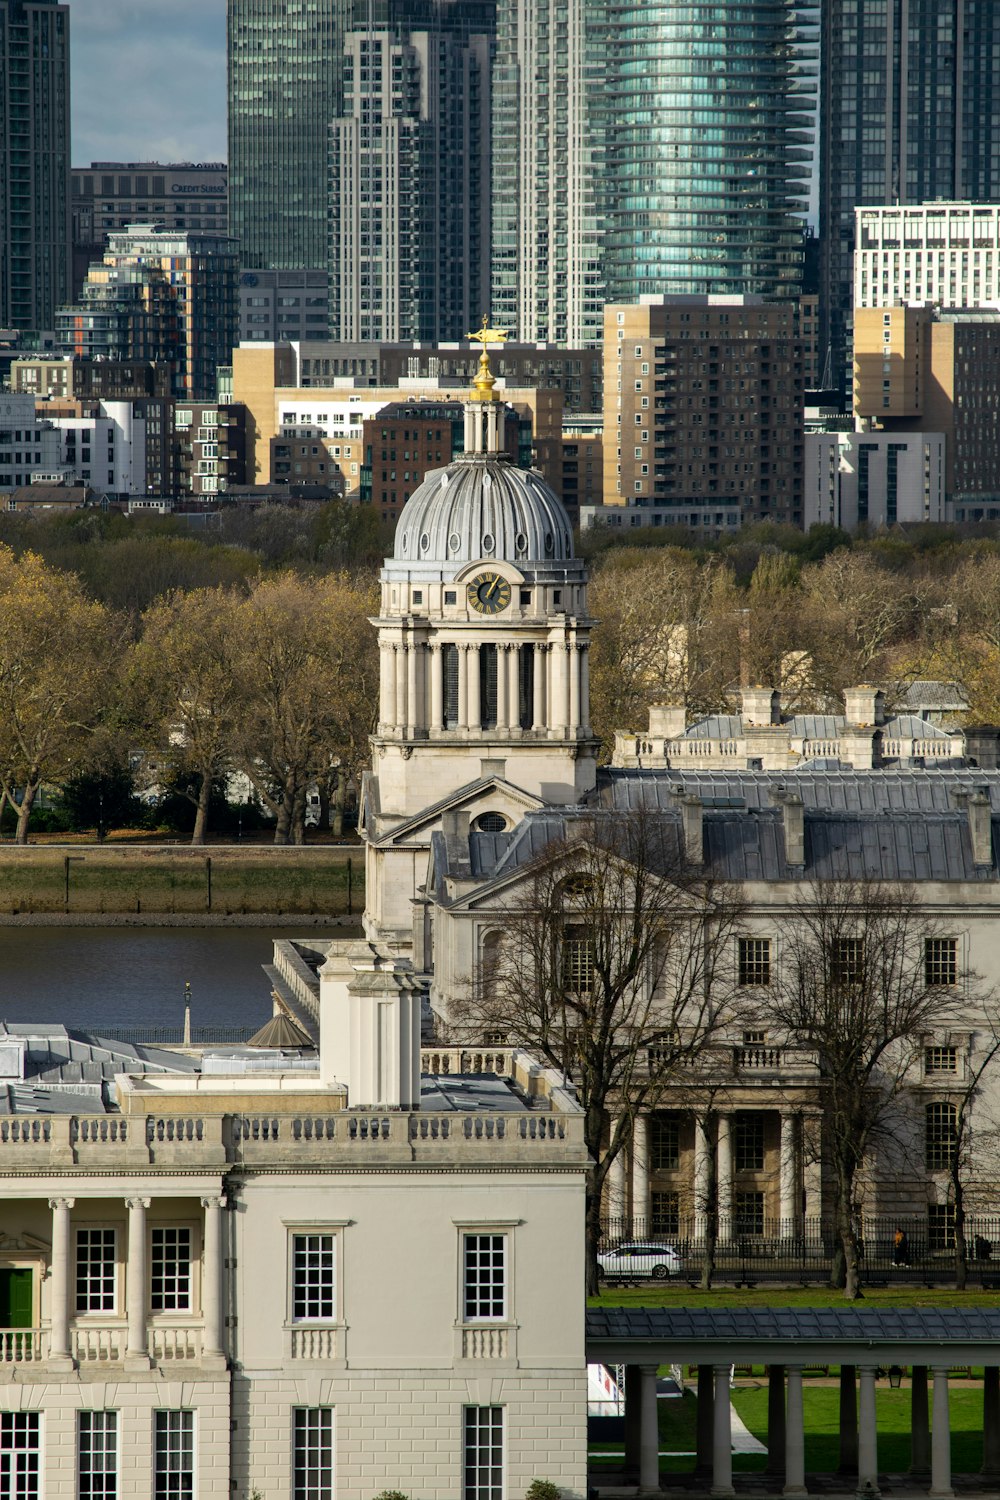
x=15, y=1298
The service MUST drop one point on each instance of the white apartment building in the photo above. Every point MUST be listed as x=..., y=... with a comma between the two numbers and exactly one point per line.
x=106, y=448
x=874, y=479
x=28, y=443
x=945, y=253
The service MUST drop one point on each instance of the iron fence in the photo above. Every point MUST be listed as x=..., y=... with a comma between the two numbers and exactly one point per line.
x=892, y=1250
x=167, y=1036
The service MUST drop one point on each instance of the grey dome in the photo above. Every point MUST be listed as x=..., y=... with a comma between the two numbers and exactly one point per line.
x=482, y=506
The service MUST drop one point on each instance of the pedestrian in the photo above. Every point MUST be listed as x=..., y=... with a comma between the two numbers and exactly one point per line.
x=900, y=1248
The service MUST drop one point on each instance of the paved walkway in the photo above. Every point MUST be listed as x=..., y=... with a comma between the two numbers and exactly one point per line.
x=761, y=1487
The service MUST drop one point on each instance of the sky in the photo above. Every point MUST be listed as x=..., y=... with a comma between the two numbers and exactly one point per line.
x=148, y=80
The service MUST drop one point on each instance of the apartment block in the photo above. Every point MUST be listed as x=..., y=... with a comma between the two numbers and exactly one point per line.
x=875, y=479
x=283, y=305
x=945, y=253
x=703, y=407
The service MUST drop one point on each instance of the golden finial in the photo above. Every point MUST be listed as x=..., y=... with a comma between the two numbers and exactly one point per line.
x=482, y=386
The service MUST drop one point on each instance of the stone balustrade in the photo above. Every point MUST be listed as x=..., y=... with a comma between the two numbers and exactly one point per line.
x=23, y=1346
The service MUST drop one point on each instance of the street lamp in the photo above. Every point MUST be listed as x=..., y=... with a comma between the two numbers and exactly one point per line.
x=895, y=1377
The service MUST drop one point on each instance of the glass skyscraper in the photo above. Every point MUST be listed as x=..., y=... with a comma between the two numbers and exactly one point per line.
x=708, y=150
x=910, y=113
x=285, y=63
x=35, y=234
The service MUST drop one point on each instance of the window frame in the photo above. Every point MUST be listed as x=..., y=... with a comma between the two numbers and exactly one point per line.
x=312, y=1485
x=27, y=1485
x=478, y=1289
x=194, y=1260
x=165, y=1480
x=940, y=1129
x=299, y=1319
x=89, y=1310
x=758, y=961
x=749, y=1127
x=941, y=954
x=494, y=1486
x=86, y=1488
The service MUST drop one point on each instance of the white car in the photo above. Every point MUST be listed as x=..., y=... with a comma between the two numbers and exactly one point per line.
x=639, y=1260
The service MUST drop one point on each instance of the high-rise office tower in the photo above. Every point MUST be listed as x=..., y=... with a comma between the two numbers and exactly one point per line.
x=284, y=59
x=34, y=162
x=708, y=147
x=910, y=112
x=409, y=171
x=548, y=169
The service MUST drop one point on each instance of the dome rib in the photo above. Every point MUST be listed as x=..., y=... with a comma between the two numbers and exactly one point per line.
x=456, y=512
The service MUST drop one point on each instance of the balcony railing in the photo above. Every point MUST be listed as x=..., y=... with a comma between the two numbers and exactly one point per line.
x=23, y=1346
x=95, y=1343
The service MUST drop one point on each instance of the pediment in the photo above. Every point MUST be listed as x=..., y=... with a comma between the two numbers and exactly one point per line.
x=488, y=794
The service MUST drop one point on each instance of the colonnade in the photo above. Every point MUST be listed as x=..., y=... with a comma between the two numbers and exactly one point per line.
x=136, y=1301
x=799, y=1181
x=412, y=695
x=930, y=1443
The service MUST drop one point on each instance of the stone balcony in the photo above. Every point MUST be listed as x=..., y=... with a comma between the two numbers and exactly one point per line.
x=102, y=1343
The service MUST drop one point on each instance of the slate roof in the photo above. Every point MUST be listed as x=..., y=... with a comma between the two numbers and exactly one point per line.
x=917, y=791
x=931, y=694
x=71, y=1071
x=804, y=1324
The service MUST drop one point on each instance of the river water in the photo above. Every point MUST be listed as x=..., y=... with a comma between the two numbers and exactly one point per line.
x=119, y=977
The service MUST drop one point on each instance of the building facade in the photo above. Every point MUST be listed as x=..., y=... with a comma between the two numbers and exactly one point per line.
x=283, y=306
x=158, y=296
x=34, y=162
x=909, y=114
x=284, y=88
x=703, y=403
x=875, y=479
x=409, y=172
x=942, y=253
x=28, y=443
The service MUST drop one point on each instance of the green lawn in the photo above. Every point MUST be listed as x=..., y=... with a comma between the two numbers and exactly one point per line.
x=818, y=1296
x=821, y=1411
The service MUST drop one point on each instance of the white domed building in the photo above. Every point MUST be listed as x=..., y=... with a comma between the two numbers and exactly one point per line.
x=484, y=710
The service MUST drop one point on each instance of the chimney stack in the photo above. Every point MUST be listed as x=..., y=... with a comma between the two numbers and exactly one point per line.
x=693, y=823
x=760, y=706
x=667, y=719
x=793, y=816
x=864, y=705
x=369, y=1026
x=979, y=812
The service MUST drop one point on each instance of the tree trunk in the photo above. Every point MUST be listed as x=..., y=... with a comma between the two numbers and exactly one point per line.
x=593, y=1233
x=337, y=802
x=299, y=816
x=283, y=826
x=201, y=812
x=961, y=1243
x=848, y=1236
x=710, y=1208
x=24, y=811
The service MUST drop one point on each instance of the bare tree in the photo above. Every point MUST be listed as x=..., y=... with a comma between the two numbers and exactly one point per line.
x=613, y=961
x=854, y=985
x=960, y=1143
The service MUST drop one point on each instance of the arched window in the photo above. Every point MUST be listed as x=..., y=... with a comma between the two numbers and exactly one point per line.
x=940, y=1131
x=491, y=822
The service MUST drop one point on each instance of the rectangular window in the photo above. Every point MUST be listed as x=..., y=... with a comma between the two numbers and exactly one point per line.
x=755, y=961
x=483, y=1453
x=313, y=1277
x=940, y=961
x=485, y=1277
x=847, y=960
x=97, y=1455
x=748, y=1143
x=941, y=1226
x=665, y=1143
x=312, y=1453
x=749, y=1213
x=173, y=1455
x=19, y=1451
x=577, y=961
x=940, y=1059
x=665, y=1213
x=96, y=1266
x=170, y=1270
x=940, y=1127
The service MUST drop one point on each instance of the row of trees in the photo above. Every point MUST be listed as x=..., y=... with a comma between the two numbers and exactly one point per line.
x=617, y=966
x=275, y=679
x=683, y=628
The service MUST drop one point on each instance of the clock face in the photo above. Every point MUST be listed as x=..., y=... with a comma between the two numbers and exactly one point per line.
x=489, y=593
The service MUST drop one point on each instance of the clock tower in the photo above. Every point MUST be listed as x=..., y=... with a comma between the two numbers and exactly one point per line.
x=484, y=638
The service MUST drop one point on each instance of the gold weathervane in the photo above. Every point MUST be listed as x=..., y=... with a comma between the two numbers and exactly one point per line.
x=482, y=386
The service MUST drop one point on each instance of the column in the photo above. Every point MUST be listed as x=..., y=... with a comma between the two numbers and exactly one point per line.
x=848, y=1421
x=725, y=1178
x=640, y=1176
x=475, y=707
x=514, y=687
x=616, y=1193
x=941, y=1438
x=400, y=688
x=557, y=688
x=705, y=1420
x=776, y=1420
x=386, y=685
x=211, y=1291
x=649, y=1434
x=574, y=689
x=795, y=1451
x=585, y=688
x=867, y=1433
x=411, y=689
x=60, y=1354
x=136, y=1351
x=991, y=1421
x=503, y=713
x=420, y=706
x=565, y=707
x=463, y=687
x=633, y=1420
x=437, y=686
x=702, y=1164
x=920, y=1427
x=538, y=691
x=722, y=1437
x=788, y=1209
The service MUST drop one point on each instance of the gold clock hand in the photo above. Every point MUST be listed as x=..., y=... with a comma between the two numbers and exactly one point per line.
x=492, y=590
